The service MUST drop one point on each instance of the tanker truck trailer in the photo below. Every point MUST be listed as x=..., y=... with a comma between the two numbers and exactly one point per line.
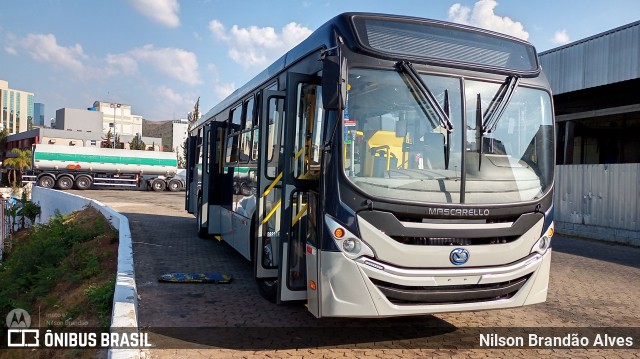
x=64, y=167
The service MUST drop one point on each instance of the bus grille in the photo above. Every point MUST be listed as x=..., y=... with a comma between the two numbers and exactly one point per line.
x=453, y=294
x=425, y=241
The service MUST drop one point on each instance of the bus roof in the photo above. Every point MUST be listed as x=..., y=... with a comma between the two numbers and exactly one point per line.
x=402, y=37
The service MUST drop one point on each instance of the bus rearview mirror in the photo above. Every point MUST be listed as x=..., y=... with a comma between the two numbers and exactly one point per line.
x=334, y=83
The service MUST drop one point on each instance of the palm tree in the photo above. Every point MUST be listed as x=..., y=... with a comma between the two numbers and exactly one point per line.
x=10, y=162
x=20, y=161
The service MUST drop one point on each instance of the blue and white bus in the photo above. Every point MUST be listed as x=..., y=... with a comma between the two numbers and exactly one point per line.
x=385, y=166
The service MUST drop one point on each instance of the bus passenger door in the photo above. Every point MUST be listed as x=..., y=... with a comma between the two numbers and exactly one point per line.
x=191, y=185
x=220, y=178
x=202, y=206
x=300, y=176
x=269, y=189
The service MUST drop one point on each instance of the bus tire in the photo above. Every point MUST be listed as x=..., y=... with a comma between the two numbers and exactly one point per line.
x=83, y=182
x=46, y=181
x=158, y=185
x=64, y=182
x=268, y=288
x=202, y=231
x=174, y=185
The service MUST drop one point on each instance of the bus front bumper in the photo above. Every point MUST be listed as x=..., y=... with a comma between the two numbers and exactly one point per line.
x=367, y=288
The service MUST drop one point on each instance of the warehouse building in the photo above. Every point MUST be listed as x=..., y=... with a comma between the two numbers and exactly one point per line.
x=596, y=92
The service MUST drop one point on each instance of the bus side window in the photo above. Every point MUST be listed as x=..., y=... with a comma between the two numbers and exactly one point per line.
x=275, y=130
x=232, y=149
x=245, y=138
x=308, y=132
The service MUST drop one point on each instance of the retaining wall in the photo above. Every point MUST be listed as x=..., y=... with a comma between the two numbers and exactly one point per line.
x=125, y=299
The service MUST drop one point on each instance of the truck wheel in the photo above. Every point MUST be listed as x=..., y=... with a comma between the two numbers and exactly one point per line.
x=83, y=182
x=64, y=183
x=175, y=185
x=158, y=185
x=46, y=181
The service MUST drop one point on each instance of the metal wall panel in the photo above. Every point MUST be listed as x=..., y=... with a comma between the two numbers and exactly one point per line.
x=606, y=58
x=604, y=195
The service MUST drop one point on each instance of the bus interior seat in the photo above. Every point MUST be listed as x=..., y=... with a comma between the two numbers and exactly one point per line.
x=493, y=146
x=380, y=163
x=433, y=149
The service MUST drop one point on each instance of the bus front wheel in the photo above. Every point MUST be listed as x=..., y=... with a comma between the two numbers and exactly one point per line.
x=268, y=288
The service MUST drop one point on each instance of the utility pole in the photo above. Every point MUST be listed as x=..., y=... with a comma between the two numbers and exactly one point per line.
x=114, y=106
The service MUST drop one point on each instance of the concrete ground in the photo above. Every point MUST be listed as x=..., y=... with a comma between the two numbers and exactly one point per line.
x=592, y=284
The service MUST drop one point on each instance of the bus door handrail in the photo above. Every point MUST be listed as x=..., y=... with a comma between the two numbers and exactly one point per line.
x=272, y=185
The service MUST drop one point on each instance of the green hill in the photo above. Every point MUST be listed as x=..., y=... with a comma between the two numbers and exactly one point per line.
x=162, y=129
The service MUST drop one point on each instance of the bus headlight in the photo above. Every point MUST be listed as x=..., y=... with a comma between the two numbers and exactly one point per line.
x=352, y=246
x=544, y=242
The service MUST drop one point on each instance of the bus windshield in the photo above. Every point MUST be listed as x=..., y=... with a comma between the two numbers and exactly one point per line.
x=393, y=147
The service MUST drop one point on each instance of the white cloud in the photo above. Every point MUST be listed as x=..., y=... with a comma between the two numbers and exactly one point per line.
x=168, y=101
x=10, y=50
x=220, y=89
x=166, y=94
x=217, y=30
x=121, y=64
x=483, y=16
x=164, y=12
x=45, y=48
x=256, y=47
x=560, y=37
x=177, y=63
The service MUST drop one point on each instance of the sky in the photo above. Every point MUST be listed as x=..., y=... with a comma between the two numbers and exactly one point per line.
x=160, y=56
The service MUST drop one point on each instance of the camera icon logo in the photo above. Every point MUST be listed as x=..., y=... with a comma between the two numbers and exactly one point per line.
x=18, y=334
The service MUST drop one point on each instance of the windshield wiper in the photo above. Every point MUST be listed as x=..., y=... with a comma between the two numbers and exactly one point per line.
x=499, y=104
x=487, y=123
x=441, y=114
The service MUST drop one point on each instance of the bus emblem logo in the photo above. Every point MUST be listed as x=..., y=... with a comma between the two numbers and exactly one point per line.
x=459, y=256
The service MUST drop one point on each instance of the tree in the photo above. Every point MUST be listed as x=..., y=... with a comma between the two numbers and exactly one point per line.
x=107, y=141
x=137, y=144
x=195, y=115
x=3, y=142
x=28, y=210
x=3, y=138
x=182, y=159
x=12, y=212
x=20, y=161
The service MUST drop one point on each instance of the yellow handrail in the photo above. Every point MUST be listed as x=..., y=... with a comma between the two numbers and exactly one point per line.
x=299, y=215
x=273, y=184
x=279, y=177
x=273, y=210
